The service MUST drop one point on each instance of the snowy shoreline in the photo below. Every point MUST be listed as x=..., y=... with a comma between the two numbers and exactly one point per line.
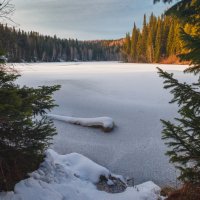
x=73, y=177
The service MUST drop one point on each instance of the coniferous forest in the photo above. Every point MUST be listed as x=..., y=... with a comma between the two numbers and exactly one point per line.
x=119, y=90
x=157, y=41
x=20, y=46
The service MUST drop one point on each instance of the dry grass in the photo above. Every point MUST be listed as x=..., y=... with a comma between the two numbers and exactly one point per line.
x=173, y=60
x=166, y=191
x=187, y=192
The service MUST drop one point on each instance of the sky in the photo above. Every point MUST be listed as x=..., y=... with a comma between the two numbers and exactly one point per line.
x=83, y=19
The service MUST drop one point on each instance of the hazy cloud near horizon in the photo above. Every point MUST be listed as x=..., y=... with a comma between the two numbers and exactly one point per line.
x=83, y=19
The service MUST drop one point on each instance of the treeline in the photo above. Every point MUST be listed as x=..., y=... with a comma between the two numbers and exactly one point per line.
x=158, y=39
x=21, y=46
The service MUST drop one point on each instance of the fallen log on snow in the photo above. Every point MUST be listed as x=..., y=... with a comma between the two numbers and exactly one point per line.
x=106, y=123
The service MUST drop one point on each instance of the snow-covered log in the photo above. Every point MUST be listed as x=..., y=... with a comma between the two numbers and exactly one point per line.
x=106, y=123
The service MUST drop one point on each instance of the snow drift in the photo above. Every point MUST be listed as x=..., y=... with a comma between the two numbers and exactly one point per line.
x=106, y=123
x=72, y=177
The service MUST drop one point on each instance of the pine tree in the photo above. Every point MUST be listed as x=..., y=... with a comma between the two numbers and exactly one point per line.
x=25, y=132
x=183, y=137
x=134, y=40
x=127, y=48
x=139, y=48
x=144, y=38
x=170, y=40
x=151, y=38
x=150, y=46
x=165, y=33
x=158, y=42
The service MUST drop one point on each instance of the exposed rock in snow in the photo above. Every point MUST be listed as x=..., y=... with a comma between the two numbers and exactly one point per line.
x=72, y=177
x=111, y=185
x=106, y=123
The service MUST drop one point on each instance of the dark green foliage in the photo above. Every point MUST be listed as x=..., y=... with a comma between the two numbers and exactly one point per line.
x=186, y=10
x=32, y=47
x=144, y=39
x=192, y=43
x=25, y=132
x=158, y=40
x=127, y=48
x=134, y=41
x=183, y=136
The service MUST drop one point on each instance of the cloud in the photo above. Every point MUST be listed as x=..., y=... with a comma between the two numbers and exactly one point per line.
x=85, y=19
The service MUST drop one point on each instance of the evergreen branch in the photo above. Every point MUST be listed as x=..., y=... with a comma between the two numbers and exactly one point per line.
x=183, y=93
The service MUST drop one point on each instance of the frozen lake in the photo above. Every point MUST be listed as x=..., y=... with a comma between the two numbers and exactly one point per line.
x=132, y=94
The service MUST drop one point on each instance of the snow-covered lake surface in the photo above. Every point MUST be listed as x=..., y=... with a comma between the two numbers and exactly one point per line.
x=131, y=94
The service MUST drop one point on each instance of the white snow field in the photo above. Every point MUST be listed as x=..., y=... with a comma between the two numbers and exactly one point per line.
x=73, y=177
x=131, y=94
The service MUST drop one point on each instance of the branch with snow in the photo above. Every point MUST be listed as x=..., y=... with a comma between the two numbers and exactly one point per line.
x=106, y=123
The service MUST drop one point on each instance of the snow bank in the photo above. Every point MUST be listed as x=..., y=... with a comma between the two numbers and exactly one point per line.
x=106, y=123
x=72, y=177
x=81, y=166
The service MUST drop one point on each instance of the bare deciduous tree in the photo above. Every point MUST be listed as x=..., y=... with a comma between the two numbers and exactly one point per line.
x=6, y=9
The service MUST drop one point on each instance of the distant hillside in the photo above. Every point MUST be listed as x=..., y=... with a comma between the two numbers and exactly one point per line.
x=21, y=46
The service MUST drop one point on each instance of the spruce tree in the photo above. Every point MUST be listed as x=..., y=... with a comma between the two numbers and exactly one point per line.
x=144, y=39
x=151, y=38
x=170, y=40
x=183, y=136
x=134, y=40
x=150, y=46
x=158, y=42
x=127, y=48
x=25, y=132
x=139, y=48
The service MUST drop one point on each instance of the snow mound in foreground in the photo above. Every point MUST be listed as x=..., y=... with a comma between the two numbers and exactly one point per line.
x=72, y=177
x=106, y=123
